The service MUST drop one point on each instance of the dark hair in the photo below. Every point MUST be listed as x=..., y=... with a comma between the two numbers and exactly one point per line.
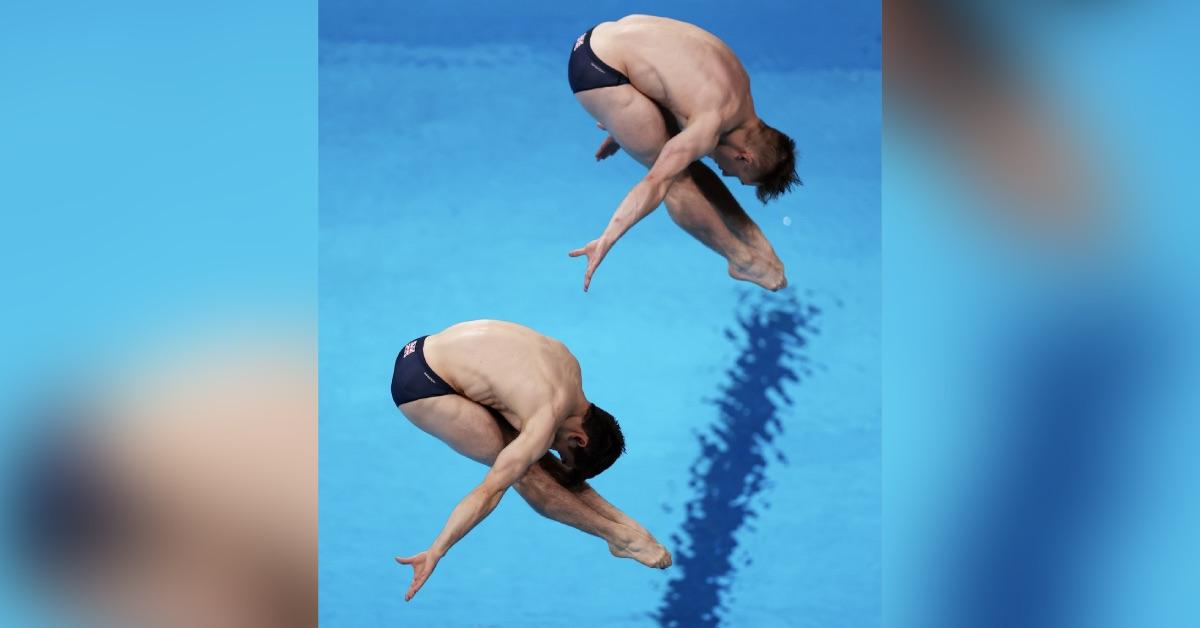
x=782, y=176
x=605, y=444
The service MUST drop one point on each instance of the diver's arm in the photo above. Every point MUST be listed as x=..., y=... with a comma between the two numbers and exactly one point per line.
x=695, y=141
x=533, y=441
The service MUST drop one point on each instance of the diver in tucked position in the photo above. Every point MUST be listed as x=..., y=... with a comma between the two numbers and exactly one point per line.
x=670, y=93
x=503, y=395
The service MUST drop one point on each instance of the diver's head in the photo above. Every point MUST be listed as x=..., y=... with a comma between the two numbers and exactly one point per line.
x=761, y=156
x=589, y=444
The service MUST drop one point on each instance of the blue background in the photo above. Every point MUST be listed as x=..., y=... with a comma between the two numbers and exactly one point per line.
x=456, y=172
x=1041, y=396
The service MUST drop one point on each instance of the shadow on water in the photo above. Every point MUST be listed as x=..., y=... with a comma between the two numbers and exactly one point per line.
x=770, y=333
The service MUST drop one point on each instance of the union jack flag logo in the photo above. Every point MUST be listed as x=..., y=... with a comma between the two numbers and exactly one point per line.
x=579, y=42
x=409, y=348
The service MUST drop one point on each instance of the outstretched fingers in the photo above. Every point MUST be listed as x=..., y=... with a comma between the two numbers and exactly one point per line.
x=587, y=276
x=421, y=570
x=594, y=252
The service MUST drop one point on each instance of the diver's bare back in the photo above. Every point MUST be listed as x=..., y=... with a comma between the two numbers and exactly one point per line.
x=680, y=66
x=509, y=368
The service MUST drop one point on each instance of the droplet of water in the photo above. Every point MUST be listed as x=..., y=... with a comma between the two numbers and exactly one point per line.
x=787, y=221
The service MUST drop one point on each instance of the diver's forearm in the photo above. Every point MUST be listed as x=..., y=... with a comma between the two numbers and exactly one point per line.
x=641, y=200
x=477, y=505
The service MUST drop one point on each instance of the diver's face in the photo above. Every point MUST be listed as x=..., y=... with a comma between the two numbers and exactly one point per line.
x=564, y=444
x=733, y=164
x=567, y=457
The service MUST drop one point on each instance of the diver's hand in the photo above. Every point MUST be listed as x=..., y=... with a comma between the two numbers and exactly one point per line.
x=423, y=565
x=595, y=252
x=607, y=149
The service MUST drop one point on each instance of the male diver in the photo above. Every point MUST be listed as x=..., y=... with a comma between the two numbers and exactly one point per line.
x=504, y=395
x=669, y=93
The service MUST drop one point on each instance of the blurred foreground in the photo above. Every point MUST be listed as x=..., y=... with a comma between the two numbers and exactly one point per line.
x=181, y=493
x=157, y=378
x=1040, y=337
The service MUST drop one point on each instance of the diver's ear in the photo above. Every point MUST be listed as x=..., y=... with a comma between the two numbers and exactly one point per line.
x=745, y=156
x=578, y=439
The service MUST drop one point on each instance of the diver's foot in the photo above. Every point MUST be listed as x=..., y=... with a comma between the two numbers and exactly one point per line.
x=765, y=272
x=642, y=548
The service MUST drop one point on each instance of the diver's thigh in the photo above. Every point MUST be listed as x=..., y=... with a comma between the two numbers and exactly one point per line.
x=633, y=120
x=464, y=425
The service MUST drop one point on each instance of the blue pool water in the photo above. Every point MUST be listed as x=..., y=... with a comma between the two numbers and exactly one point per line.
x=456, y=173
